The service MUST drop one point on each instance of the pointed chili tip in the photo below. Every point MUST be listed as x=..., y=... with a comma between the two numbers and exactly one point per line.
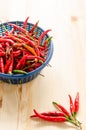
x=35, y=111
x=54, y=103
x=49, y=29
x=32, y=116
x=28, y=17
x=77, y=93
x=37, y=21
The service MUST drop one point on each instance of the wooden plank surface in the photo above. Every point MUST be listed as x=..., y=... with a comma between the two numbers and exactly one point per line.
x=67, y=19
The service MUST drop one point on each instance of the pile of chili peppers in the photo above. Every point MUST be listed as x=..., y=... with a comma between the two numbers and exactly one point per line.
x=62, y=115
x=22, y=51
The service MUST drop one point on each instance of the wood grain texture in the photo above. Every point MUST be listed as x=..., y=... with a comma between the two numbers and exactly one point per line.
x=67, y=19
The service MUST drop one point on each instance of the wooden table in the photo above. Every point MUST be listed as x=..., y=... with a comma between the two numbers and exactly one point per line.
x=67, y=19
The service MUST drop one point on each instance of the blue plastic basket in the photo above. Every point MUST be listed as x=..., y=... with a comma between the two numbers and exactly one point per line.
x=23, y=78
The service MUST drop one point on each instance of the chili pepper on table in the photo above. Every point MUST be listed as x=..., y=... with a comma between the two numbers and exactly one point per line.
x=76, y=103
x=71, y=105
x=50, y=118
x=60, y=107
x=50, y=114
x=62, y=116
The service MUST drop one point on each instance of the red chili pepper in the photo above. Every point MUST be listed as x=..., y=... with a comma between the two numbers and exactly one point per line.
x=12, y=31
x=19, y=28
x=26, y=40
x=10, y=69
x=2, y=53
x=7, y=48
x=55, y=114
x=37, y=51
x=62, y=109
x=76, y=103
x=25, y=23
x=35, y=57
x=14, y=38
x=2, y=46
x=43, y=35
x=50, y=118
x=21, y=62
x=71, y=105
x=2, y=64
x=41, y=48
x=34, y=27
x=7, y=40
x=8, y=62
x=17, y=53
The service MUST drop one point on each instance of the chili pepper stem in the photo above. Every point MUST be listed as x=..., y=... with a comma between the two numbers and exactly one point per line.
x=72, y=119
x=75, y=122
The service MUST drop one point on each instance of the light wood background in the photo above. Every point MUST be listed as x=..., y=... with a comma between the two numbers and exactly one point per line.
x=67, y=19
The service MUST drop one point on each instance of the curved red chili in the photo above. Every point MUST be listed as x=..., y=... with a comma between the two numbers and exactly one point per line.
x=34, y=27
x=7, y=40
x=50, y=118
x=26, y=40
x=55, y=114
x=25, y=23
x=43, y=35
x=18, y=28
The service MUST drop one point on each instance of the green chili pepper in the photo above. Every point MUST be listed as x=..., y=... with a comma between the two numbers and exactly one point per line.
x=19, y=71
